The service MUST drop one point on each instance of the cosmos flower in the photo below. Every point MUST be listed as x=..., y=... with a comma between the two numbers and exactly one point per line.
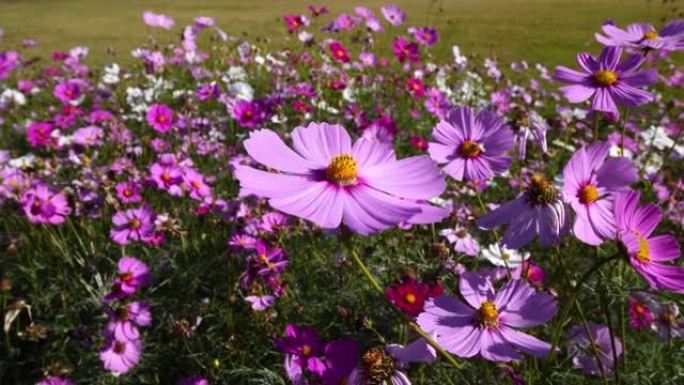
x=90, y=136
x=644, y=36
x=425, y=35
x=133, y=274
x=502, y=256
x=160, y=117
x=589, y=181
x=415, y=87
x=338, y=52
x=538, y=211
x=260, y=302
x=345, y=22
x=167, y=175
x=53, y=380
x=328, y=181
x=667, y=322
x=583, y=356
x=526, y=125
x=410, y=295
x=249, y=114
x=341, y=358
x=152, y=19
x=119, y=356
x=123, y=321
x=393, y=14
x=302, y=342
x=486, y=324
x=607, y=80
x=405, y=50
x=462, y=240
x=385, y=365
x=135, y=224
x=473, y=147
x=640, y=315
x=68, y=91
x=41, y=205
x=128, y=192
x=294, y=22
x=194, y=381
x=39, y=134
x=649, y=255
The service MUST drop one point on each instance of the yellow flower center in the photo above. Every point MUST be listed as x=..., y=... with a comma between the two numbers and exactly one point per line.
x=195, y=184
x=651, y=35
x=377, y=366
x=588, y=194
x=643, y=255
x=342, y=169
x=487, y=314
x=540, y=190
x=669, y=318
x=410, y=298
x=470, y=149
x=306, y=350
x=605, y=77
x=134, y=223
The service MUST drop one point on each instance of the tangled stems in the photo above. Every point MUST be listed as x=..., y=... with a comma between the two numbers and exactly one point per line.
x=410, y=322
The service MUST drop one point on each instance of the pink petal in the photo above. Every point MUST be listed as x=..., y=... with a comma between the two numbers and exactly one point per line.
x=525, y=342
x=319, y=142
x=321, y=203
x=416, y=177
x=266, y=147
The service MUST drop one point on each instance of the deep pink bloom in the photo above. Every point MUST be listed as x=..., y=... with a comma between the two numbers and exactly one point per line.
x=248, y=114
x=160, y=117
x=410, y=295
x=53, y=380
x=317, y=11
x=133, y=274
x=644, y=36
x=338, y=52
x=341, y=357
x=123, y=321
x=405, y=50
x=640, y=315
x=649, y=255
x=415, y=87
x=426, y=36
x=133, y=225
x=128, y=192
x=39, y=134
x=294, y=22
x=607, y=80
x=589, y=181
x=68, y=91
x=119, y=356
x=328, y=181
x=419, y=143
x=473, y=147
x=303, y=343
x=167, y=175
x=44, y=206
x=486, y=324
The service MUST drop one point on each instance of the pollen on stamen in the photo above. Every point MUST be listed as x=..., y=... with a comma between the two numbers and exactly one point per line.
x=605, y=77
x=470, y=149
x=651, y=35
x=588, y=194
x=487, y=314
x=342, y=170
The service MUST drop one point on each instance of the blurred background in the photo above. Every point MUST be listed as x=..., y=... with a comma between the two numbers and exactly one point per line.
x=547, y=31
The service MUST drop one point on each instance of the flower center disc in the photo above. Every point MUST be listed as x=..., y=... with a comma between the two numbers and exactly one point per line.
x=605, y=77
x=643, y=254
x=651, y=35
x=342, y=170
x=410, y=298
x=487, y=314
x=588, y=194
x=470, y=149
x=540, y=190
x=377, y=366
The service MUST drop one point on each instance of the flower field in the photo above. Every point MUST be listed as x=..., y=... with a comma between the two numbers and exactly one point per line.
x=347, y=205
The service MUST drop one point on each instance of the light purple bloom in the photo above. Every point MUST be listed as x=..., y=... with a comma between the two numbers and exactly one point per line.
x=393, y=14
x=158, y=20
x=473, y=147
x=462, y=240
x=128, y=192
x=607, y=80
x=644, y=36
x=425, y=35
x=123, y=322
x=90, y=136
x=41, y=205
x=119, y=356
x=260, y=302
x=133, y=225
x=582, y=353
x=328, y=181
x=486, y=324
x=589, y=181
x=133, y=274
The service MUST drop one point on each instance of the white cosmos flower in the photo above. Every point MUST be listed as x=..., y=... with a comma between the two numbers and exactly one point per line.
x=502, y=256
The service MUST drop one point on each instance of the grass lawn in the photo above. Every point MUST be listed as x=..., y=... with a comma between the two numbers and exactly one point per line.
x=548, y=31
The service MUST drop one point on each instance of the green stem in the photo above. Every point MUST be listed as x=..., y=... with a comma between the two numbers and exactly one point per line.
x=609, y=323
x=622, y=131
x=411, y=324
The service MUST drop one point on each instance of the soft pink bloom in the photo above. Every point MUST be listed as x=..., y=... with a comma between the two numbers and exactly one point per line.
x=160, y=117
x=119, y=356
x=41, y=205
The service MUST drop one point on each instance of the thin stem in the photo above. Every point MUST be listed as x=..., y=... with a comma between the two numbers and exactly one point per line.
x=609, y=323
x=622, y=131
x=412, y=325
x=597, y=123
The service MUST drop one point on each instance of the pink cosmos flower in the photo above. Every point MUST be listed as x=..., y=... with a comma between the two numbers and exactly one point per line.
x=294, y=22
x=44, y=206
x=158, y=20
x=644, y=36
x=426, y=36
x=393, y=14
x=167, y=175
x=133, y=225
x=648, y=254
x=260, y=302
x=160, y=117
x=486, y=324
x=39, y=134
x=589, y=181
x=68, y=91
x=90, y=136
x=303, y=343
x=462, y=240
x=474, y=147
x=194, y=182
x=123, y=322
x=338, y=52
x=405, y=50
x=415, y=87
x=133, y=274
x=119, y=356
x=328, y=181
x=640, y=315
x=128, y=192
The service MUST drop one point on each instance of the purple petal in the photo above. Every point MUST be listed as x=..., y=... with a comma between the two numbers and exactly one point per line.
x=475, y=289
x=320, y=142
x=417, y=351
x=568, y=75
x=448, y=132
x=521, y=306
x=525, y=342
x=368, y=153
x=268, y=184
x=456, y=168
x=588, y=63
x=416, y=177
x=641, y=78
x=603, y=101
x=630, y=96
x=441, y=153
x=501, y=215
x=496, y=348
x=610, y=56
x=320, y=202
x=266, y=147
x=367, y=210
x=617, y=173
x=578, y=93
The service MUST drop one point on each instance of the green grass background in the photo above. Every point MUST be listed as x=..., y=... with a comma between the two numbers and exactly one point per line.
x=547, y=31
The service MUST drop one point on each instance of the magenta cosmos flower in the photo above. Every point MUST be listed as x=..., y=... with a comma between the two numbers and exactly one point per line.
x=405, y=50
x=338, y=52
x=133, y=274
x=302, y=342
x=588, y=183
x=328, y=181
x=133, y=225
x=53, y=380
x=123, y=321
x=39, y=134
x=538, y=211
x=43, y=206
x=486, y=324
x=644, y=36
x=160, y=117
x=194, y=381
x=648, y=254
x=119, y=356
x=473, y=147
x=607, y=80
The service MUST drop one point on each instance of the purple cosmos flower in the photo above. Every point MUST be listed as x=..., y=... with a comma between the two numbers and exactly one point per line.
x=119, y=356
x=405, y=50
x=44, y=206
x=39, y=134
x=644, y=36
x=90, y=136
x=167, y=175
x=474, y=148
x=133, y=273
x=133, y=225
x=158, y=20
x=640, y=315
x=303, y=343
x=328, y=181
x=341, y=357
x=589, y=181
x=260, y=302
x=194, y=182
x=425, y=35
x=128, y=192
x=668, y=323
x=52, y=380
x=607, y=80
x=462, y=240
x=194, y=381
x=124, y=320
x=583, y=356
x=529, y=124
x=160, y=117
x=380, y=365
x=393, y=14
x=345, y=22
x=486, y=324
x=248, y=114
x=648, y=255
x=536, y=212
x=68, y=91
